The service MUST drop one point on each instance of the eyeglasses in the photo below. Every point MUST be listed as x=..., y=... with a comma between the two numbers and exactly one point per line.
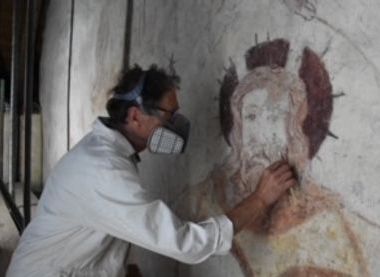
x=172, y=113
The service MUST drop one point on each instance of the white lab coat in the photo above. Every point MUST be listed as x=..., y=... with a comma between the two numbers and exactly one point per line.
x=93, y=206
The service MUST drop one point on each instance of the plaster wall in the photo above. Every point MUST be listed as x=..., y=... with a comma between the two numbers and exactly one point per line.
x=203, y=37
x=54, y=83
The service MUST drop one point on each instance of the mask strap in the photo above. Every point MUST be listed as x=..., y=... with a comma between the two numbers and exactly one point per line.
x=134, y=94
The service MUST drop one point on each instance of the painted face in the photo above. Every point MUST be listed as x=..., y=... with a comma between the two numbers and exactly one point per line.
x=271, y=116
x=264, y=122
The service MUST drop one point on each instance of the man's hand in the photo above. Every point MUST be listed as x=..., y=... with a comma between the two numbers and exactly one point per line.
x=276, y=179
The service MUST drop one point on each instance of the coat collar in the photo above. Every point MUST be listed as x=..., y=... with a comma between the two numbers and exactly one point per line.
x=102, y=128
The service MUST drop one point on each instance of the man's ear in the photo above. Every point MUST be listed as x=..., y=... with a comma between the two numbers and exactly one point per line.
x=134, y=116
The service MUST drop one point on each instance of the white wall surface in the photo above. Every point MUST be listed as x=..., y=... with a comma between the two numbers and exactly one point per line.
x=53, y=83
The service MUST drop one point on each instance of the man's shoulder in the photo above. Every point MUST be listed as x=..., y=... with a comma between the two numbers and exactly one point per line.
x=95, y=149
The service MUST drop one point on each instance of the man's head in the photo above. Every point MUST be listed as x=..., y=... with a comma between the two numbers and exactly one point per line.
x=137, y=115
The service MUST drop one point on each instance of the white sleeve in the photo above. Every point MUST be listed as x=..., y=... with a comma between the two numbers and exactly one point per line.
x=122, y=209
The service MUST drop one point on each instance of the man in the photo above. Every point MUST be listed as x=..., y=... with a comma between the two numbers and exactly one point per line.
x=93, y=205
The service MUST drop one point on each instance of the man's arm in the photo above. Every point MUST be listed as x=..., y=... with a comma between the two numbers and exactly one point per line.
x=275, y=181
x=120, y=207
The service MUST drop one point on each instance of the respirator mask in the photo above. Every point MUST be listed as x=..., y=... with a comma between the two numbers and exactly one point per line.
x=172, y=136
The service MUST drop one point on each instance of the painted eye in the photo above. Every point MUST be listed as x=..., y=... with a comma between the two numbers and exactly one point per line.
x=250, y=116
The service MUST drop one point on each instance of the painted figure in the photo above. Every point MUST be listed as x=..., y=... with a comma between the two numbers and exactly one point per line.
x=268, y=115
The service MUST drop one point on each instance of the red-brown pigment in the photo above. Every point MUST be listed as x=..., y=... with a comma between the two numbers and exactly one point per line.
x=319, y=100
x=269, y=53
x=230, y=82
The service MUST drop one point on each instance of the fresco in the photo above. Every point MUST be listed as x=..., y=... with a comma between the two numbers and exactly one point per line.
x=273, y=114
x=319, y=81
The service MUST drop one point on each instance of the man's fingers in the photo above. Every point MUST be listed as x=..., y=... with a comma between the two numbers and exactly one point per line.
x=290, y=183
x=286, y=176
x=282, y=169
x=276, y=165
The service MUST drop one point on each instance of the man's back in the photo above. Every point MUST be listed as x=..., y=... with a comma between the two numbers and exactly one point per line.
x=61, y=240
